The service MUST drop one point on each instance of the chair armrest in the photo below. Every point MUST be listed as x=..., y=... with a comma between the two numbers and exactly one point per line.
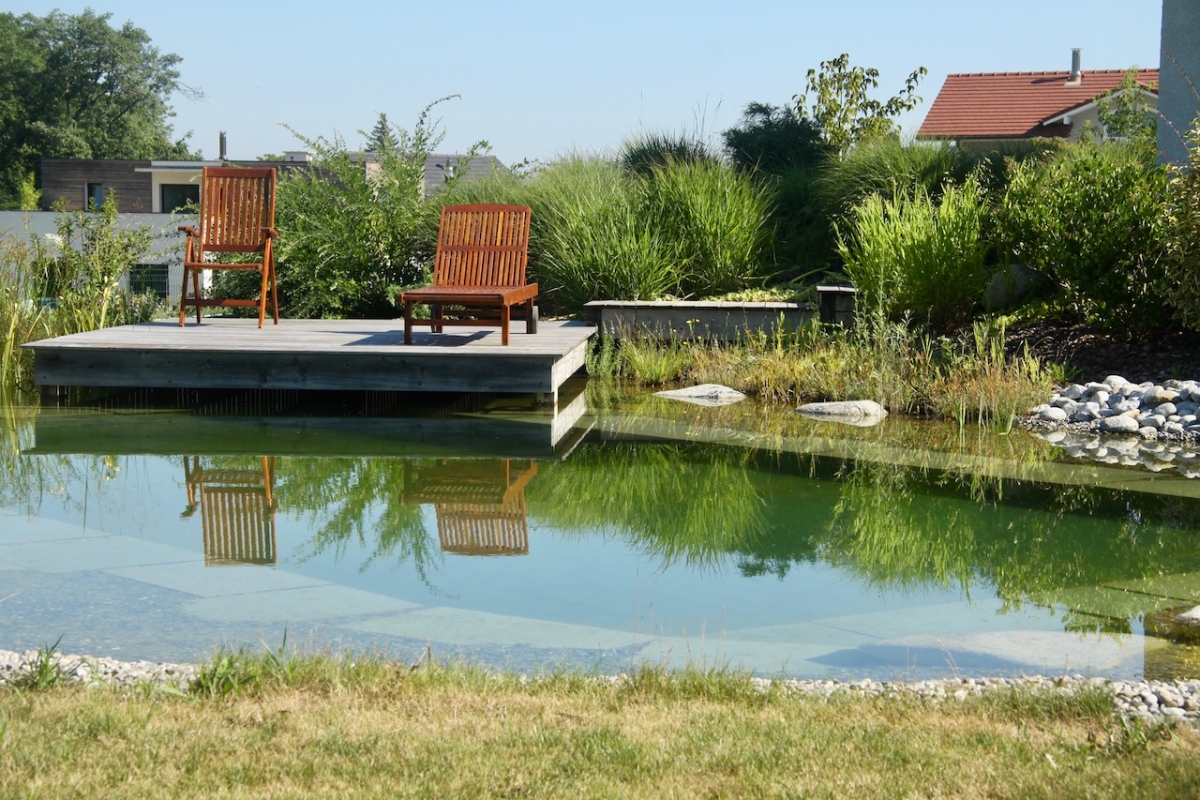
x=189, y=230
x=271, y=233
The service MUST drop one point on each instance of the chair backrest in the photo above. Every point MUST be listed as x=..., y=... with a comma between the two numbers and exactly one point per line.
x=482, y=245
x=236, y=205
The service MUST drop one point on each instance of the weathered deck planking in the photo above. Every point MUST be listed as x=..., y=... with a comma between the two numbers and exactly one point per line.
x=313, y=355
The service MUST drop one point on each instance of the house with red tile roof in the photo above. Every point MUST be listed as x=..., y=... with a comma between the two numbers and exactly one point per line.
x=987, y=109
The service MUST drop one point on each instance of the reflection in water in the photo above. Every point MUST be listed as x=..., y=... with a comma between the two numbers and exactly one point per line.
x=770, y=506
x=237, y=510
x=480, y=505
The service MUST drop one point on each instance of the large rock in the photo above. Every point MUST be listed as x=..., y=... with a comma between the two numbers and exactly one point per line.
x=706, y=394
x=862, y=413
x=1013, y=286
x=1119, y=424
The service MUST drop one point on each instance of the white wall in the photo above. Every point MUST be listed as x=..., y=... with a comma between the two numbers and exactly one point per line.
x=167, y=247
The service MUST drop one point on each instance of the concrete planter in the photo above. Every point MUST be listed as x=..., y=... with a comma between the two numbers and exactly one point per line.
x=694, y=319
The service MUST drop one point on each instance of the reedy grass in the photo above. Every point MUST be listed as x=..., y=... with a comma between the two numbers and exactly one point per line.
x=370, y=728
x=968, y=379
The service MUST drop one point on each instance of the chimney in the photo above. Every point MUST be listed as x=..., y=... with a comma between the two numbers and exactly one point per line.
x=224, y=153
x=1076, y=72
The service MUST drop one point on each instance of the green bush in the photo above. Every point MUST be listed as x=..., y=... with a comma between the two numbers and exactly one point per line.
x=1092, y=219
x=352, y=236
x=648, y=152
x=913, y=255
x=1181, y=240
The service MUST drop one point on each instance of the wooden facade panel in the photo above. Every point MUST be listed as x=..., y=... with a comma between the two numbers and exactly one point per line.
x=66, y=180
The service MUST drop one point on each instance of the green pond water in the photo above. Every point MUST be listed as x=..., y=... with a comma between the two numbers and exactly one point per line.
x=608, y=532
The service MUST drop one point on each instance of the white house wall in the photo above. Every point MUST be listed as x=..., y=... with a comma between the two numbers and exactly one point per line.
x=166, y=248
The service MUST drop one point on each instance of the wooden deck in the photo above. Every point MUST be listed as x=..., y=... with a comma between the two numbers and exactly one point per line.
x=314, y=355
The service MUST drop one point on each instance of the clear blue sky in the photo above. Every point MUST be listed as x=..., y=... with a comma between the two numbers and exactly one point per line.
x=538, y=79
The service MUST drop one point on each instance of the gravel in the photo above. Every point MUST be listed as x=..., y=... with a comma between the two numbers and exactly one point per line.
x=1150, y=701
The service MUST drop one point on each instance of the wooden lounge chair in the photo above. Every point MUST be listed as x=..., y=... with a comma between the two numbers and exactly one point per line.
x=237, y=511
x=480, y=505
x=237, y=215
x=478, y=271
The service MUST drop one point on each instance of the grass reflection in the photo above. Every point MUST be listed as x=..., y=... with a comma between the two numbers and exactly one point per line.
x=690, y=503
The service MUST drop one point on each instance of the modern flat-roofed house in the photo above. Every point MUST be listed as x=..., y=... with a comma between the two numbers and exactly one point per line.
x=982, y=110
x=167, y=187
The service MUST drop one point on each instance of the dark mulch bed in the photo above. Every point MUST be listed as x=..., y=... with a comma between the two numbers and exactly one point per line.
x=1092, y=355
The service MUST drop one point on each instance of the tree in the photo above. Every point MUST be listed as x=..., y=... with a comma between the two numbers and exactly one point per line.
x=841, y=107
x=381, y=136
x=1125, y=112
x=72, y=86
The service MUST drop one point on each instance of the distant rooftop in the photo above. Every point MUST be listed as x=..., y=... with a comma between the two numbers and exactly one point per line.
x=1014, y=105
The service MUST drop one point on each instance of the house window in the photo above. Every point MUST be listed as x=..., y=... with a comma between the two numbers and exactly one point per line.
x=96, y=193
x=149, y=278
x=179, y=197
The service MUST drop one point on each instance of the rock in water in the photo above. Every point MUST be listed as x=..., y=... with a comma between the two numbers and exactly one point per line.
x=863, y=413
x=706, y=394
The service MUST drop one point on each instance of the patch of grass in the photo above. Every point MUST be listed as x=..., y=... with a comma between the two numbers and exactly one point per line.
x=45, y=673
x=464, y=732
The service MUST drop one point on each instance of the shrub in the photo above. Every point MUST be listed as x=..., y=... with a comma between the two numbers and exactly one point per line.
x=772, y=140
x=1181, y=239
x=914, y=255
x=1092, y=219
x=649, y=152
x=350, y=236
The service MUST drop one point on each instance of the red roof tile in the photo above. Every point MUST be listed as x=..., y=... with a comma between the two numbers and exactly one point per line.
x=1014, y=104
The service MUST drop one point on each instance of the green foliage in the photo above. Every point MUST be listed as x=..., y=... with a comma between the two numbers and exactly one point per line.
x=1092, y=219
x=717, y=220
x=841, y=106
x=68, y=282
x=600, y=232
x=45, y=673
x=912, y=255
x=1181, y=239
x=353, y=231
x=72, y=86
x=773, y=139
x=649, y=152
x=887, y=167
x=1125, y=112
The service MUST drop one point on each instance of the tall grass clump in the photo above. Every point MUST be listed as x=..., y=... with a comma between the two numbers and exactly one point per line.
x=647, y=152
x=888, y=167
x=601, y=231
x=718, y=220
x=916, y=255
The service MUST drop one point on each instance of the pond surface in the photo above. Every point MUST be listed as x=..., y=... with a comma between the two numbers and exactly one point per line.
x=609, y=533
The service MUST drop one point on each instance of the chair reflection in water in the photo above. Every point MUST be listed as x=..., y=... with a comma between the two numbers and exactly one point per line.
x=237, y=511
x=480, y=505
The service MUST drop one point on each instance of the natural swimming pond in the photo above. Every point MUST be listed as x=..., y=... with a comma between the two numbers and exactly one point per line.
x=610, y=532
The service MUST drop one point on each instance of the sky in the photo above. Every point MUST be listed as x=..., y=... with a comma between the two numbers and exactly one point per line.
x=540, y=79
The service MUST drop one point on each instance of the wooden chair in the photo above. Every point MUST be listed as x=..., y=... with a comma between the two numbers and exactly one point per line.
x=478, y=271
x=237, y=511
x=237, y=215
x=480, y=505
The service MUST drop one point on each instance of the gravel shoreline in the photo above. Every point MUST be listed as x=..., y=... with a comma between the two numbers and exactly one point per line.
x=1149, y=701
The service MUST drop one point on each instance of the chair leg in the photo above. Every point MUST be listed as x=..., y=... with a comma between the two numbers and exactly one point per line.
x=505, y=314
x=435, y=313
x=408, y=304
x=196, y=292
x=274, y=296
x=262, y=296
x=183, y=297
x=531, y=316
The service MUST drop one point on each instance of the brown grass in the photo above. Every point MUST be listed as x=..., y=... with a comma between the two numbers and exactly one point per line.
x=465, y=734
